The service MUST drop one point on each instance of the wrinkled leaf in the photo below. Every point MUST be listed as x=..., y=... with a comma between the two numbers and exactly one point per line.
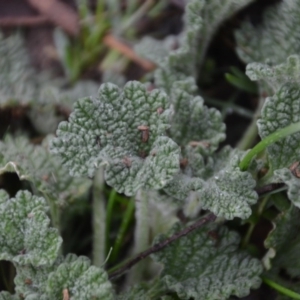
x=194, y=122
x=217, y=185
x=124, y=131
x=283, y=236
x=206, y=264
x=293, y=182
x=279, y=111
x=277, y=75
x=25, y=236
x=276, y=38
x=81, y=280
x=36, y=164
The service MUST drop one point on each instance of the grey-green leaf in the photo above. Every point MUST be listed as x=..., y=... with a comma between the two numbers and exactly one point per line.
x=277, y=75
x=124, y=131
x=275, y=39
x=293, y=182
x=194, y=122
x=206, y=264
x=279, y=111
x=80, y=280
x=25, y=236
x=36, y=164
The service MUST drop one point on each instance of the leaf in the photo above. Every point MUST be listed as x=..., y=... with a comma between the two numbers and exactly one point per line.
x=217, y=185
x=155, y=50
x=277, y=75
x=202, y=18
x=275, y=39
x=206, y=264
x=194, y=122
x=284, y=246
x=229, y=192
x=279, y=111
x=282, y=238
x=293, y=182
x=31, y=281
x=8, y=296
x=36, y=164
x=83, y=281
x=25, y=236
x=123, y=131
x=17, y=81
x=71, y=276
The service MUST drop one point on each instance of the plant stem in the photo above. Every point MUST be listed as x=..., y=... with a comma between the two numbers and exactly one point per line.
x=158, y=247
x=109, y=212
x=249, y=232
x=123, y=228
x=262, y=145
x=98, y=211
x=281, y=289
x=141, y=235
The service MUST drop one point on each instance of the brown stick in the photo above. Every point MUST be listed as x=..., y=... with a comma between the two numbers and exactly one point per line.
x=110, y=41
x=23, y=21
x=157, y=247
x=59, y=13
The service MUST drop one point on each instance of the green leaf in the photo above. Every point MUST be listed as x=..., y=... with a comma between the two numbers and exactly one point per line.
x=194, y=122
x=284, y=246
x=277, y=75
x=275, y=39
x=36, y=164
x=217, y=185
x=73, y=277
x=83, y=281
x=283, y=236
x=293, y=182
x=229, y=192
x=278, y=112
x=206, y=264
x=123, y=131
x=155, y=50
x=8, y=296
x=202, y=18
x=17, y=81
x=31, y=281
x=25, y=236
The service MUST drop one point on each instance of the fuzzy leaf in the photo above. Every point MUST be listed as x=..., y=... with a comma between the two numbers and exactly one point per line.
x=276, y=76
x=278, y=112
x=17, y=81
x=82, y=281
x=202, y=18
x=25, y=236
x=217, y=185
x=206, y=264
x=283, y=236
x=284, y=244
x=275, y=39
x=194, y=122
x=73, y=277
x=293, y=182
x=36, y=164
x=31, y=281
x=155, y=50
x=123, y=131
x=230, y=192
x=8, y=296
